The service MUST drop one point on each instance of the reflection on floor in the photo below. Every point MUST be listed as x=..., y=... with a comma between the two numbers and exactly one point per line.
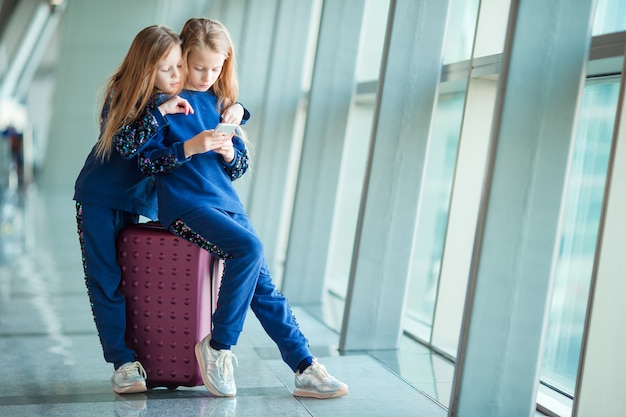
x=52, y=364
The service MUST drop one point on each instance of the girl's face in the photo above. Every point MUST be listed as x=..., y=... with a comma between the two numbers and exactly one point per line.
x=203, y=68
x=168, y=73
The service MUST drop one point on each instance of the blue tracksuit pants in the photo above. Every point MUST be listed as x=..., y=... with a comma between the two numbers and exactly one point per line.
x=98, y=228
x=246, y=282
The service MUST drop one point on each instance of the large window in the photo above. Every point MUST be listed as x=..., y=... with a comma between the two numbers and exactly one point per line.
x=583, y=203
x=429, y=300
x=471, y=68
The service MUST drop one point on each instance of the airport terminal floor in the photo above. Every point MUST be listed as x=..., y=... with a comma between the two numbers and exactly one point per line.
x=52, y=364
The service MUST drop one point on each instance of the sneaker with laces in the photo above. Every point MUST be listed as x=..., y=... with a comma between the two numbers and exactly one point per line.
x=316, y=382
x=129, y=378
x=217, y=369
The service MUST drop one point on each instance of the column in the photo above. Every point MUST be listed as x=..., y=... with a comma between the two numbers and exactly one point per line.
x=507, y=304
x=411, y=70
x=331, y=94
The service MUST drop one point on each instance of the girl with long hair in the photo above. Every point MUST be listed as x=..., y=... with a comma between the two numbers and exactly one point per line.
x=198, y=202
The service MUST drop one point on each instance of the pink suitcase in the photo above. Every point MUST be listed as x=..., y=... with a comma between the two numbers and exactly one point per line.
x=171, y=288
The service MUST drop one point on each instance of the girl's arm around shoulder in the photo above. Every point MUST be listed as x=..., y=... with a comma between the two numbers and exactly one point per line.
x=130, y=139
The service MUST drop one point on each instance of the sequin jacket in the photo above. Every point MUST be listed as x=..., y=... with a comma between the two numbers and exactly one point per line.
x=203, y=180
x=116, y=182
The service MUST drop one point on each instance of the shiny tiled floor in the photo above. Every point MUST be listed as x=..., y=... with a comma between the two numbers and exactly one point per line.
x=52, y=365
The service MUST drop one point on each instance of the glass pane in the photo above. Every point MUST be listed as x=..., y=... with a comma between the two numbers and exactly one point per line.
x=583, y=203
x=610, y=17
x=349, y=190
x=460, y=31
x=492, y=27
x=433, y=213
x=372, y=40
x=432, y=216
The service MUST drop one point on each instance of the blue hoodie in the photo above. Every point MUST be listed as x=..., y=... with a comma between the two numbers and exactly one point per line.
x=116, y=183
x=203, y=180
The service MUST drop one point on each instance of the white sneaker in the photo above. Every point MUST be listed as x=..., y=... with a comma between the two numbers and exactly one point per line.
x=129, y=378
x=316, y=382
x=217, y=369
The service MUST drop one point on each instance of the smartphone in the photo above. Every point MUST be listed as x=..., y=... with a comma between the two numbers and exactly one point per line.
x=226, y=127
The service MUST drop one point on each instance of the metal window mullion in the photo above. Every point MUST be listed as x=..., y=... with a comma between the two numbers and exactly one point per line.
x=332, y=88
x=410, y=75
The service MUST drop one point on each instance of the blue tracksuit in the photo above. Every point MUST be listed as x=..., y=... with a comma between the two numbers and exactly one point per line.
x=197, y=200
x=110, y=195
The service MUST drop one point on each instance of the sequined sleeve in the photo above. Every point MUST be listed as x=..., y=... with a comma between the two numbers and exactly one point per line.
x=131, y=138
x=240, y=165
x=159, y=165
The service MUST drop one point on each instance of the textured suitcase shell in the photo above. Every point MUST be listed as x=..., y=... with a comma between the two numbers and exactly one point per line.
x=171, y=287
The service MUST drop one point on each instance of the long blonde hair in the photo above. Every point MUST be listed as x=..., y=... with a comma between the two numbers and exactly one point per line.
x=200, y=33
x=131, y=86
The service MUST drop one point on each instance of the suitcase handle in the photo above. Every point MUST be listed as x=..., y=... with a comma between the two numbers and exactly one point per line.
x=151, y=225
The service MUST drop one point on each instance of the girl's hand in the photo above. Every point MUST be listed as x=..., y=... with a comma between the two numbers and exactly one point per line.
x=227, y=150
x=205, y=141
x=233, y=114
x=175, y=105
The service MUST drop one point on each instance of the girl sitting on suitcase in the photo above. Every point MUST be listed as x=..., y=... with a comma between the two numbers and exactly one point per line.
x=111, y=193
x=198, y=202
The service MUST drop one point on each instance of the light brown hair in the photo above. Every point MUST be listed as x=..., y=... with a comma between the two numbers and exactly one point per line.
x=200, y=33
x=131, y=86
